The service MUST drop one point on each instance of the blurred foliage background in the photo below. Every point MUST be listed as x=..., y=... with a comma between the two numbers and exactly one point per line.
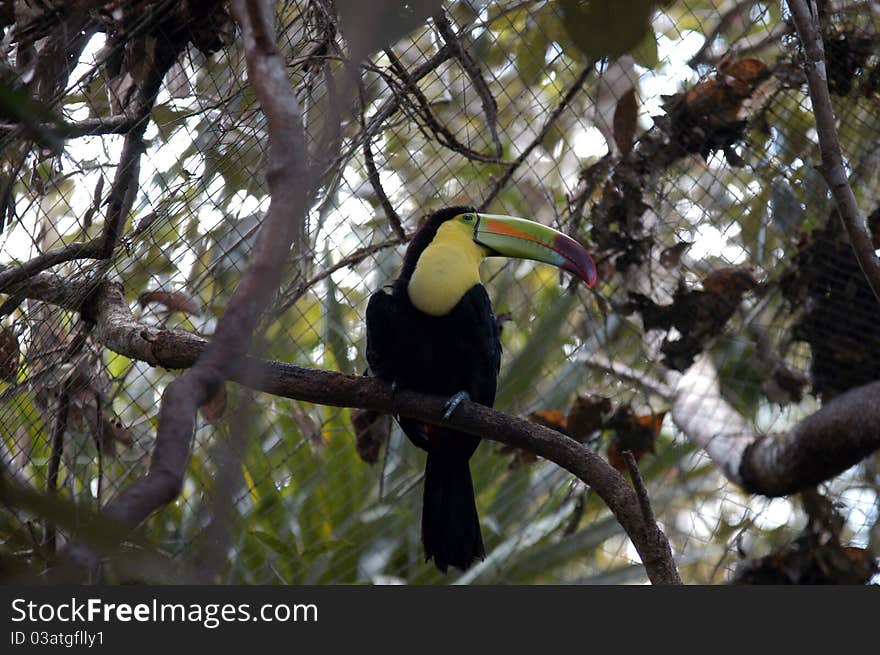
x=685, y=159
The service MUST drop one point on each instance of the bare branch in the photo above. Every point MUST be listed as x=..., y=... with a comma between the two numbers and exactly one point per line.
x=443, y=134
x=122, y=192
x=57, y=441
x=625, y=373
x=652, y=530
x=118, y=330
x=806, y=21
x=283, y=225
x=727, y=18
x=554, y=116
x=490, y=107
x=391, y=106
x=373, y=173
x=13, y=274
x=841, y=434
x=354, y=258
x=708, y=420
x=88, y=127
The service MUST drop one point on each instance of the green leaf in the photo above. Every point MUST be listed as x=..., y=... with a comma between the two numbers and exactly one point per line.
x=496, y=560
x=519, y=376
x=371, y=26
x=645, y=53
x=602, y=28
x=530, y=53
x=543, y=559
x=335, y=332
x=274, y=544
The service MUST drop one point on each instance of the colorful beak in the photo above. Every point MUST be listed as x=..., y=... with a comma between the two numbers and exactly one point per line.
x=517, y=237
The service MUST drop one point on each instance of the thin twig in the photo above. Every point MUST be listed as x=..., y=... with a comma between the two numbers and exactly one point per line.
x=502, y=181
x=60, y=428
x=490, y=107
x=373, y=174
x=391, y=106
x=283, y=226
x=641, y=490
x=627, y=374
x=57, y=441
x=806, y=19
x=354, y=258
x=443, y=134
x=724, y=22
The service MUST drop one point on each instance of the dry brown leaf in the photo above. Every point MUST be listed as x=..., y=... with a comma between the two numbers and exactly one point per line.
x=212, y=410
x=671, y=256
x=551, y=418
x=626, y=115
x=632, y=432
x=730, y=283
x=587, y=415
x=9, y=354
x=177, y=301
x=371, y=430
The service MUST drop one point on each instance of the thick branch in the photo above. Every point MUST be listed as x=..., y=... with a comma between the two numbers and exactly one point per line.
x=806, y=21
x=823, y=445
x=283, y=225
x=11, y=275
x=119, y=124
x=118, y=330
x=707, y=419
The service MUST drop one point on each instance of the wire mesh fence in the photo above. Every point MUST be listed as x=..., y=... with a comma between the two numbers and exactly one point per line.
x=686, y=165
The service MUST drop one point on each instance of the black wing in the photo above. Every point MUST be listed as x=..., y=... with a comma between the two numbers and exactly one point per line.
x=482, y=343
x=381, y=328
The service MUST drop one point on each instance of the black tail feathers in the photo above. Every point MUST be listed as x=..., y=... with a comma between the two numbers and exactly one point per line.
x=450, y=525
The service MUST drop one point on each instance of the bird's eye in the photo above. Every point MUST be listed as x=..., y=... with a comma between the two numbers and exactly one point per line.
x=467, y=218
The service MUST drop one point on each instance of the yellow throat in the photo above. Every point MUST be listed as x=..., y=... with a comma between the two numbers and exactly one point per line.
x=446, y=269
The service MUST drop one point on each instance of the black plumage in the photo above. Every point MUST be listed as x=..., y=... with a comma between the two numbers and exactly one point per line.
x=459, y=351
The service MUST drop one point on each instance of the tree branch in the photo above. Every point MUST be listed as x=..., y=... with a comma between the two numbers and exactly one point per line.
x=726, y=19
x=118, y=330
x=806, y=20
x=13, y=274
x=641, y=492
x=283, y=225
x=443, y=134
x=119, y=124
x=490, y=107
x=123, y=190
x=355, y=257
x=373, y=174
x=841, y=434
x=554, y=116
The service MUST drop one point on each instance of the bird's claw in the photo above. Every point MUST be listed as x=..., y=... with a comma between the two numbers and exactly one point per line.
x=454, y=402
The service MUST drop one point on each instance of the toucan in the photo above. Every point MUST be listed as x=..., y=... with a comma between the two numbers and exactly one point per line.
x=433, y=331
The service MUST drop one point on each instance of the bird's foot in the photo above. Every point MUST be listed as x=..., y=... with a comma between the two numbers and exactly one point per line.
x=454, y=402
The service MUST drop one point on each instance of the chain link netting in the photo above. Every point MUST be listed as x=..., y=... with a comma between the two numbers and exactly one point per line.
x=688, y=167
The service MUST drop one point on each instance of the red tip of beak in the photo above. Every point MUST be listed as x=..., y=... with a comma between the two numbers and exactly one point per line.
x=577, y=259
